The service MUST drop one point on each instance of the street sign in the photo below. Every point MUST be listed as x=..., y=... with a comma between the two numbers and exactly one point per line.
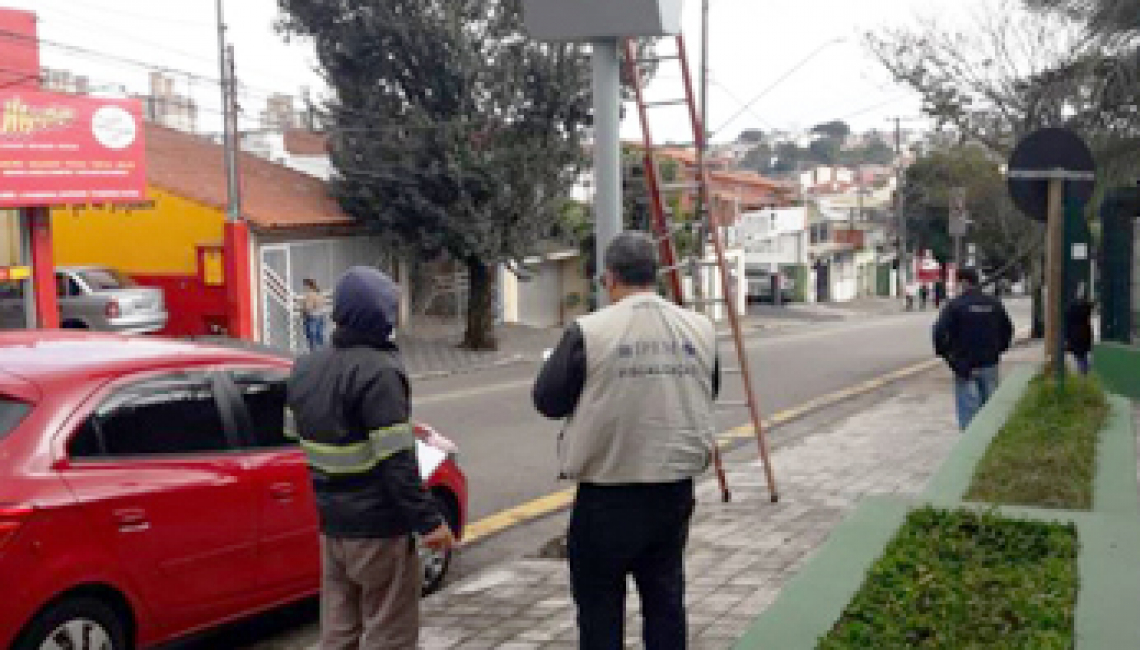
x=1044, y=154
x=590, y=20
x=58, y=149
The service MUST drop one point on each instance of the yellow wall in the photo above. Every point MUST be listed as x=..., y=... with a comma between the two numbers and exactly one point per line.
x=158, y=237
x=10, y=238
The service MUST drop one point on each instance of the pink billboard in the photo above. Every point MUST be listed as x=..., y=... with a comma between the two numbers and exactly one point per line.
x=58, y=149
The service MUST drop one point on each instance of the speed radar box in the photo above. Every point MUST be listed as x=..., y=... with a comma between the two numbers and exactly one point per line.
x=587, y=20
x=58, y=149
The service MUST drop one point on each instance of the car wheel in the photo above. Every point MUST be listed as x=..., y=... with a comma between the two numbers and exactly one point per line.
x=75, y=623
x=433, y=563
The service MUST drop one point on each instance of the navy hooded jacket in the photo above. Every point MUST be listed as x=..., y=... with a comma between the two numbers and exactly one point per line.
x=351, y=401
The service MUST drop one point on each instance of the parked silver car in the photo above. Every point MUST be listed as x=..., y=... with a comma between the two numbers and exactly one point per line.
x=92, y=297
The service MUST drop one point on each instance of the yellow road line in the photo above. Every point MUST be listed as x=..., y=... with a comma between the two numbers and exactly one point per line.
x=545, y=505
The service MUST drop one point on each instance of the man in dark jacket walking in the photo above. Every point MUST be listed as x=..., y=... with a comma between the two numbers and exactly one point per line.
x=350, y=407
x=971, y=333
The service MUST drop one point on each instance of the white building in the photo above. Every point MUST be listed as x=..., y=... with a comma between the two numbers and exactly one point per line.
x=773, y=237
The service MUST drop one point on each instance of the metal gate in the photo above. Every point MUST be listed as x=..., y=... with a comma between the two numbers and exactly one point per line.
x=285, y=266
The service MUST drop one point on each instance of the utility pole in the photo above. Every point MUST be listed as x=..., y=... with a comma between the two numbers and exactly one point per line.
x=703, y=209
x=900, y=212
x=607, y=153
x=233, y=142
x=235, y=240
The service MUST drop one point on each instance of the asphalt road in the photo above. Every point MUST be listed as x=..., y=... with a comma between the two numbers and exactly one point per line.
x=508, y=450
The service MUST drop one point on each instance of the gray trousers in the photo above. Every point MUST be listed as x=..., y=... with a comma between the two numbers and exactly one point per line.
x=370, y=594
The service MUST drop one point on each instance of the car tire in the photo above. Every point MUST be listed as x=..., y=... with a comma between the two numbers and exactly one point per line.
x=78, y=622
x=434, y=564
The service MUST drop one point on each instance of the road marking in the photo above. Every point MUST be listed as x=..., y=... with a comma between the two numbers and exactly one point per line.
x=551, y=503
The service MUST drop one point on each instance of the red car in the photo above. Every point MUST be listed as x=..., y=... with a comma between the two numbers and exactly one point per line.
x=147, y=491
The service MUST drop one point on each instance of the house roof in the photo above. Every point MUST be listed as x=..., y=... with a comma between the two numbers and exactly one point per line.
x=273, y=196
x=302, y=142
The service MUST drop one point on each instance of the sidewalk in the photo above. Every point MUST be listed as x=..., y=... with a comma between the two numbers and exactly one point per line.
x=740, y=554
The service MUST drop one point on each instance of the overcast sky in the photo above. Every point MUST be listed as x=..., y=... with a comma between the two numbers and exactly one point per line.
x=753, y=44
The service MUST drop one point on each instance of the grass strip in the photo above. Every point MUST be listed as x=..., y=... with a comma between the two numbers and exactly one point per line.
x=1045, y=455
x=964, y=579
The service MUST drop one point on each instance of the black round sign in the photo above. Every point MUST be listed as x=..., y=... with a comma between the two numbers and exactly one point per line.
x=1045, y=150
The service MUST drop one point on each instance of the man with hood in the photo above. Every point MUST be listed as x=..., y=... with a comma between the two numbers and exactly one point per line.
x=350, y=406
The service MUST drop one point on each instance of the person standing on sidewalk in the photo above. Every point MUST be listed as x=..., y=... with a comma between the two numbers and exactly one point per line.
x=971, y=334
x=911, y=292
x=313, y=314
x=637, y=381
x=923, y=294
x=1078, y=329
x=350, y=408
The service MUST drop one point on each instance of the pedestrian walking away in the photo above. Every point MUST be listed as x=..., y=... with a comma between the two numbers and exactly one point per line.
x=1078, y=329
x=971, y=334
x=313, y=307
x=939, y=293
x=636, y=381
x=923, y=294
x=350, y=408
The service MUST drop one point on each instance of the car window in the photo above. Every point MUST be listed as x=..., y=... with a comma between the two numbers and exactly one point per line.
x=170, y=415
x=11, y=289
x=263, y=393
x=12, y=412
x=106, y=279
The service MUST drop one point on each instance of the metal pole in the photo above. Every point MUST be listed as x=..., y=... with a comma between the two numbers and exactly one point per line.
x=704, y=210
x=24, y=221
x=607, y=151
x=225, y=65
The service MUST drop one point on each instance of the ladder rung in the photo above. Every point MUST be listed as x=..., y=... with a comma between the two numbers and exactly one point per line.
x=734, y=403
x=732, y=371
x=659, y=59
x=667, y=102
x=725, y=334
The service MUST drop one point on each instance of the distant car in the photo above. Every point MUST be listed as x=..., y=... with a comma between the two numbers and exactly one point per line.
x=149, y=490
x=92, y=298
x=760, y=286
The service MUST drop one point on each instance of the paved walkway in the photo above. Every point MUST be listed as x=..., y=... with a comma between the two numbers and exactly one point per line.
x=740, y=554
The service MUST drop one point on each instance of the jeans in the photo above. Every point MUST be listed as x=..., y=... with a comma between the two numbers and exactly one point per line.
x=621, y=530
x=971, y=394
x=1082, y=362
x=314, y=330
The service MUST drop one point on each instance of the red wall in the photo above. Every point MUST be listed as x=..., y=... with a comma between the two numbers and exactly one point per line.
x=195, y=308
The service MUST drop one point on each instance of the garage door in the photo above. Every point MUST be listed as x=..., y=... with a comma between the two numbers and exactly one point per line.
x=540, y=297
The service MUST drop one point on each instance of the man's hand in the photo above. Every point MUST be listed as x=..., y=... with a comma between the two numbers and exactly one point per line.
x=439, y=539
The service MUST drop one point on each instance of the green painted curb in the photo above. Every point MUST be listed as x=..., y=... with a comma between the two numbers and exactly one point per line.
x=1116, y=364
x=1109, y=569
x=815, y=598
x=1114, y=488
x=953, y=477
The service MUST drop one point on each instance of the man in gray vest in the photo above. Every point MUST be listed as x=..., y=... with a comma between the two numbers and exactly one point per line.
x=636, y=381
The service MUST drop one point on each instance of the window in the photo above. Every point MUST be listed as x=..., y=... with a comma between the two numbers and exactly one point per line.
x=263, y=393
x=176, y=414
x=12, y=412
x=66, y=286
x=106, y=279
x=11, y=289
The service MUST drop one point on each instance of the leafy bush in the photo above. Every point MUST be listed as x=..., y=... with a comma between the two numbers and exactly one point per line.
x=961, y=579
x=1045, y=455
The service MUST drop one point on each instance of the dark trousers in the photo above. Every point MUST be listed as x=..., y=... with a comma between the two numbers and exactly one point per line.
x=622, y=530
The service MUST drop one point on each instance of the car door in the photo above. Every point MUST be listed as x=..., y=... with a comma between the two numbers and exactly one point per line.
x=288, y=526
x=75, y=305
x=155, y=466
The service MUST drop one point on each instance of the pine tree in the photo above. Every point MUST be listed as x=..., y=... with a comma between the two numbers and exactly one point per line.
x=450, y=127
